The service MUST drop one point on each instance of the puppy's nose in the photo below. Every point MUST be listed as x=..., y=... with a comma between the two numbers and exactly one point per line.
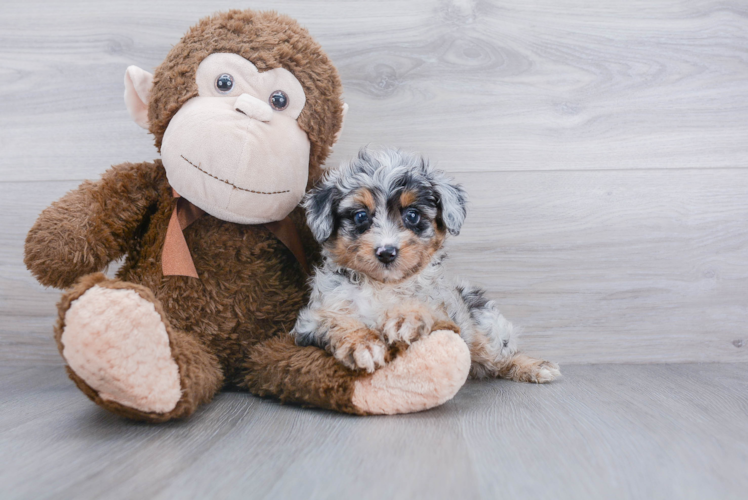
x=386, y=254
x=253, y=107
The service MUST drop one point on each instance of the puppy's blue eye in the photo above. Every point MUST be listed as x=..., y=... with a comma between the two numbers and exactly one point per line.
x=360, y=217
x=224, y=83
x=412, y=216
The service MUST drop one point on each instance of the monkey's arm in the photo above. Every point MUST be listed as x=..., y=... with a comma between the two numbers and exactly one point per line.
x=92, y=225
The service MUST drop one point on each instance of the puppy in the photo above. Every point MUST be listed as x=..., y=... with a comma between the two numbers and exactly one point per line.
x=382, y=220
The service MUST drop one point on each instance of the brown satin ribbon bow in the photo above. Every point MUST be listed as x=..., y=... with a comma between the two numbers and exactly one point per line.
x=176, y=259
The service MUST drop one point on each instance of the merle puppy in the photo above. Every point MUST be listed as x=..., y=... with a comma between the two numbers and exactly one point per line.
x=382, y=220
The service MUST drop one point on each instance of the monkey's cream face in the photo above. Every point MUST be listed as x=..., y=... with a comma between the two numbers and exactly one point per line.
x=236, y=150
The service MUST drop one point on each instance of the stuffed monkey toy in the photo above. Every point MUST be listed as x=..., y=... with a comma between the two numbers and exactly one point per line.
x=244, y=111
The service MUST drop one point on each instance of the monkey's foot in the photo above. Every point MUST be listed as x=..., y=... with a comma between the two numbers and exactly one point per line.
x=426, y=375
x=117, y=343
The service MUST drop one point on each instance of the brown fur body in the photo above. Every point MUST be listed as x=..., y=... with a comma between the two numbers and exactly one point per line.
x=229, y=326
x=233, y=320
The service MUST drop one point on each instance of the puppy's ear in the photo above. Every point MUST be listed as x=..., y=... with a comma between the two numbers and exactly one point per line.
x=319, y=205
x=452, y=201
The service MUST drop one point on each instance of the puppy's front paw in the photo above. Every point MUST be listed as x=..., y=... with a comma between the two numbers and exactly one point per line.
x=360, y=350
x=407, y=326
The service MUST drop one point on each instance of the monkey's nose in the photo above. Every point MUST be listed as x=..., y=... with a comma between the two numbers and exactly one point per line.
x=253, y=107
x=386, y=254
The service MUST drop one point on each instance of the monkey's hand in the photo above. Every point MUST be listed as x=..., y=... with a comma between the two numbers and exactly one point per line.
x=91, y=226
x=407, y=323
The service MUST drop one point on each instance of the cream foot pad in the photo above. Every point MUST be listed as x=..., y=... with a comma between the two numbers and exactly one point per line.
x=116, y=341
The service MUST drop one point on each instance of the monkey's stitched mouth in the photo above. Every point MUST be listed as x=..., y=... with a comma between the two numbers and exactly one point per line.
x=231, y=184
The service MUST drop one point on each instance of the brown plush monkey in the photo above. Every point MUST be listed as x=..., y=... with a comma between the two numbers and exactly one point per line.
x=244, y=111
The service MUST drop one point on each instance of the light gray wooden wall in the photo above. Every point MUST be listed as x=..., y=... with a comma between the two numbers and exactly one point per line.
x=604, y=146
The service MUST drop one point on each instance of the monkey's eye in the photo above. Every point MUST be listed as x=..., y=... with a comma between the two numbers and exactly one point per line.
x=360, y=218
x=279, y=100
x=224, y=83
x=412, y=216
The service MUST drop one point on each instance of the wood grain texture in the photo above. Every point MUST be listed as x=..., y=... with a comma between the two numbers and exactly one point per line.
x=481, y=85
x=621, y=431
x=603, y=147
x=625, y=266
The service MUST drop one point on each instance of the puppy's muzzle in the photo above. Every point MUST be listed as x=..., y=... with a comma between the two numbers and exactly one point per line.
x=386, y=254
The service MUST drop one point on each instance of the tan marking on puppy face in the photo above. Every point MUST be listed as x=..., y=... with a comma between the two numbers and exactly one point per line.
x=414, y=253
x=407, y=198
x=356, y=250
x=356, y=254
x=360, y=255
x=440, y=234
x=365, y=198
x=413, y=256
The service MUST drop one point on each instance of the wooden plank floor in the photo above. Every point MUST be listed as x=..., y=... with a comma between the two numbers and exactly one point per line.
x=603, y=431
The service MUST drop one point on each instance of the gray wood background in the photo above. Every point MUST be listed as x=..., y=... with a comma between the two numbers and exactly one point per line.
x=603, y=432
x=604, y=146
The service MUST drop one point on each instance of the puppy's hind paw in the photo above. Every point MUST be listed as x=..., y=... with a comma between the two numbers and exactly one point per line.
x=547, y=372
x=521, y=368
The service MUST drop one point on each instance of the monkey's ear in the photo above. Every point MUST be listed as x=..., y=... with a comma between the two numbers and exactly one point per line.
x=342, y=122
x=138, y=83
